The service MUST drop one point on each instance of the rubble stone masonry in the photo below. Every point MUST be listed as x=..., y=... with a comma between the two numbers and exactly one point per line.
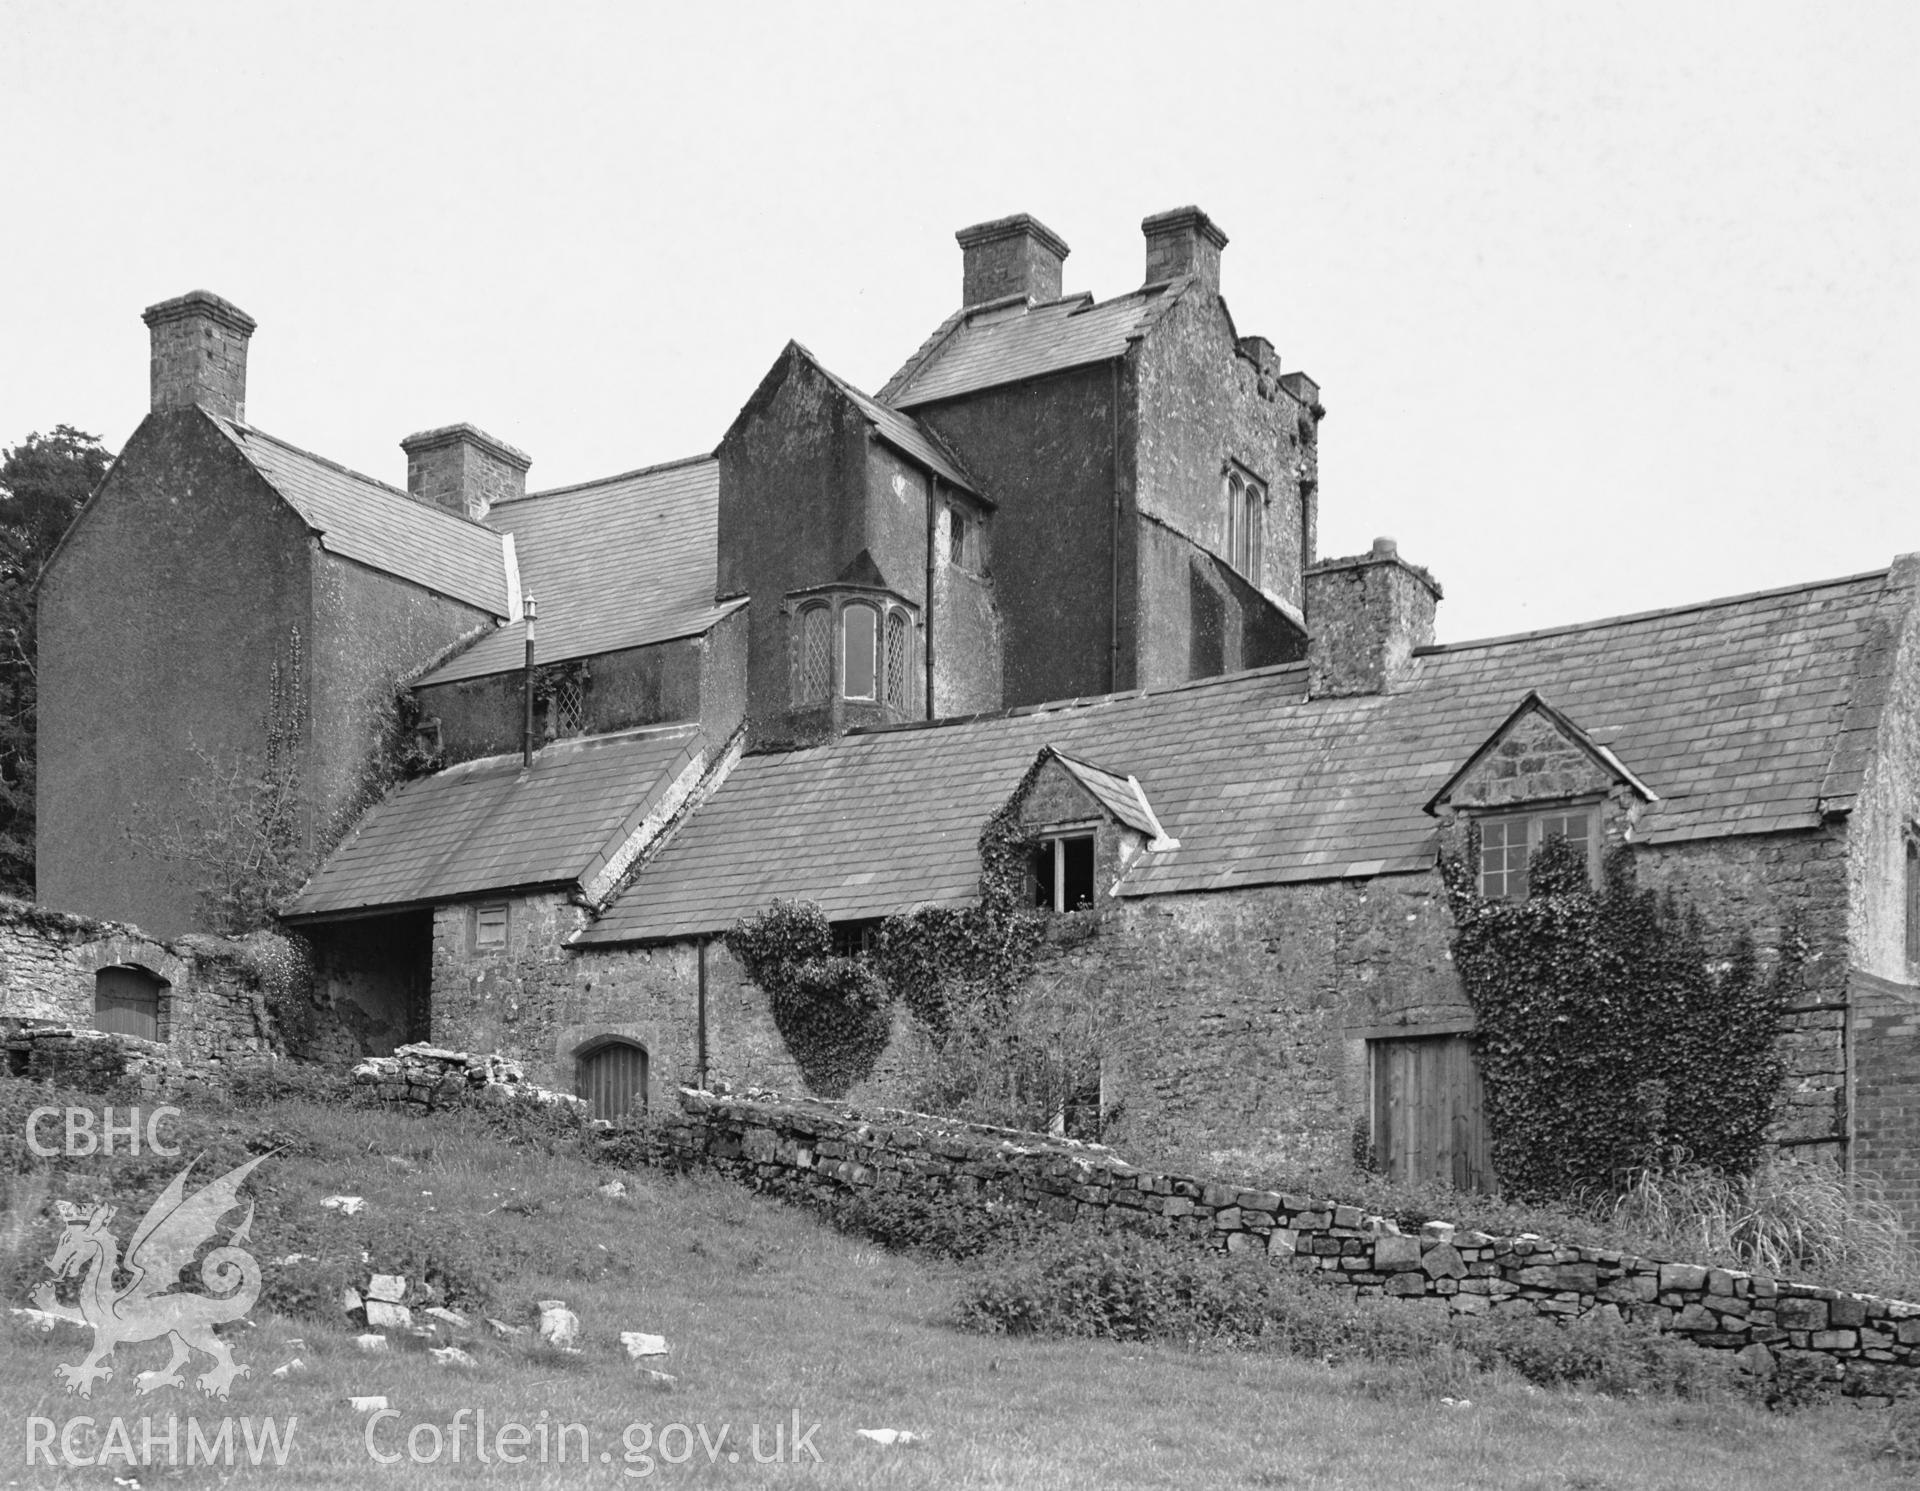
x=1870, y=1346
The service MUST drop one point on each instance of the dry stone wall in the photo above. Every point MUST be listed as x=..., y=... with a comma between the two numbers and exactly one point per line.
x=1869, y=1346
x=427, y=1078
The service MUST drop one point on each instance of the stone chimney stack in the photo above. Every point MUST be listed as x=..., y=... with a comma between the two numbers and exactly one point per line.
x=199, y=354
x=1183, y=241
x=1018, y=255
x=463, y=469
x=1365, y=616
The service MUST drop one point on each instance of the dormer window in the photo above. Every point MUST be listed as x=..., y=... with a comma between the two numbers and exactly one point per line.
x=1246, y=503
x=1063, y=872
x=1509, y=842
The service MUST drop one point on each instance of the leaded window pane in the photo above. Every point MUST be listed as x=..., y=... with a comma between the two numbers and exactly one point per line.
x=899, y=658
x=813, y=683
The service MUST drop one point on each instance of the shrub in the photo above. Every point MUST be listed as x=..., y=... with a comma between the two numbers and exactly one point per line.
x=1130, y=1287
x=1790, y=1219
x=944, y=1226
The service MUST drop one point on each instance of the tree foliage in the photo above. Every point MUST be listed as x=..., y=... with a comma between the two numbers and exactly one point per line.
x=1612, y=1037
x=44, y=481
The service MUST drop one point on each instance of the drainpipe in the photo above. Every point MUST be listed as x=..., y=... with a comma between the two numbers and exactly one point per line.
x=1113, y=538
x=700, y=1022
x=933, y=505
x=526, y=734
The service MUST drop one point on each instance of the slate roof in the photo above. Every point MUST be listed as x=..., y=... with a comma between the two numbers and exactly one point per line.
x=377, y=525
x=1745, y=716
x=1000, y=344
x=902, y=431
x=487, y=825
x=615, y=563
x=1118, y=795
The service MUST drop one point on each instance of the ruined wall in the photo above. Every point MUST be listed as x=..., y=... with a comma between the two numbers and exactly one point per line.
x=207, y=572
x=372, y=977
x=212, y=1009
x=1869, y=1346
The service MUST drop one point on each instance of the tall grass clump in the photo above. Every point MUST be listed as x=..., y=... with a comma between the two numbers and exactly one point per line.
x=1789, y=1218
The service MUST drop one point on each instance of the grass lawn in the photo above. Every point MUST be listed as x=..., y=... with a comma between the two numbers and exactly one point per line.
x=773, y=1318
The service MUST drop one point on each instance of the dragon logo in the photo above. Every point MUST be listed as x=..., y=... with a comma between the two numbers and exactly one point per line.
x=147, y=1308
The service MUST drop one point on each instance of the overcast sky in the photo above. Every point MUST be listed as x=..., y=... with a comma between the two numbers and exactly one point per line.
x=1613, y=306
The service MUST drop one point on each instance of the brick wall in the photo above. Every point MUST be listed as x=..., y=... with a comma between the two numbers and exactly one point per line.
x=1870, y=1345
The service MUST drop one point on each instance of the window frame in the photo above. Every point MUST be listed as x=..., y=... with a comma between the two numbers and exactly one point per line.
x=1246, y=502
x=873, y=612
x=477, y=920
x=1052, y=842
x=1535, y=816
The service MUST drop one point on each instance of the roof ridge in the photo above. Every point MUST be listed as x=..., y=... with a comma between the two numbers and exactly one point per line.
x=601, y=481
x=1502, y=640
x=247, y=431
x=573, y=745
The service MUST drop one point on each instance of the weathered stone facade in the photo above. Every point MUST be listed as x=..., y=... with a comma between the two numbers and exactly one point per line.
x=210, y=1009
x=1867, y=1345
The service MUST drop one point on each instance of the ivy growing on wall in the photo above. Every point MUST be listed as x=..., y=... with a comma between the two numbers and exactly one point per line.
x=964, y=964
x=834, y=1013
x=1611, y=1036
x=237, y=833
x=960, y=970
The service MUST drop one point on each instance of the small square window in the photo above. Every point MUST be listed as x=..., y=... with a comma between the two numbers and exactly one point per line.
x=490, y=926
x=1063, y=873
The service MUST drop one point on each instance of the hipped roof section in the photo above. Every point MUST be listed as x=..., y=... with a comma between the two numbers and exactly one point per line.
x=1748, y=715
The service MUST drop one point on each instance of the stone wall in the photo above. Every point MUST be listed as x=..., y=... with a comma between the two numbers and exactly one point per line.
x=797, y=1148
x=429, y=1078
x=212, y=1008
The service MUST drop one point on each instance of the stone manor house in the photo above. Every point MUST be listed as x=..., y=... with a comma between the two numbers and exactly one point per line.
x=1069, y=533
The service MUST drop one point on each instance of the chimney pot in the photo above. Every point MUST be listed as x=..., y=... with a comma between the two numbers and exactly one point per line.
x=199, y=354
x=1385, y=548
x=463, y=469
x=1183, y=241
x=1018, y=255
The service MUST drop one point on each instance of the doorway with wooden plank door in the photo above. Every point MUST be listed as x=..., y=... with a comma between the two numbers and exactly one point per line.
x=1429, y=1113
x=612, y=1077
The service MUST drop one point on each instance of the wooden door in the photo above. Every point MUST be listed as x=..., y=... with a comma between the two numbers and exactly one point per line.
x=1429, y=1121
x=127, y=1002
x=613, y=1080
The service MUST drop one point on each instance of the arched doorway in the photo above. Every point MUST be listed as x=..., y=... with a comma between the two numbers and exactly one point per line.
x=612, y=1077
x=126, y=1001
